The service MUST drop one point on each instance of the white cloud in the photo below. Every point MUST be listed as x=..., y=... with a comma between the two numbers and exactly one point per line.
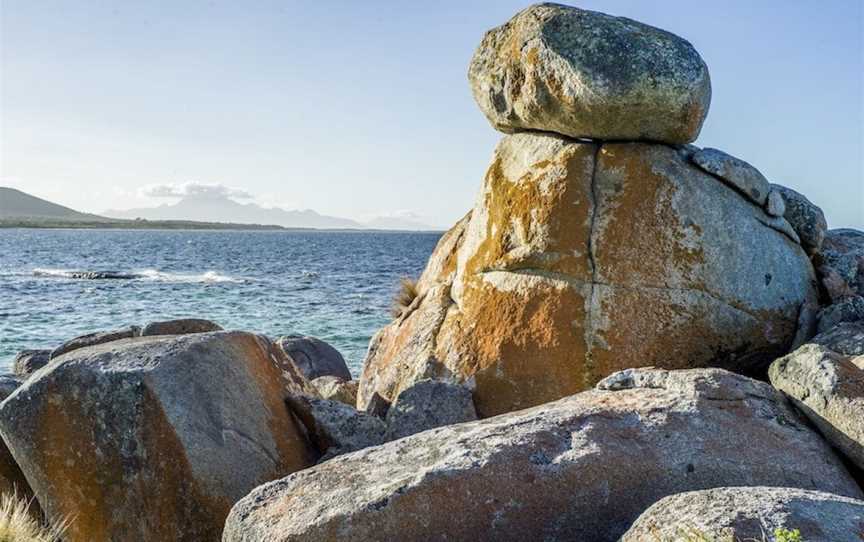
x=193, y=189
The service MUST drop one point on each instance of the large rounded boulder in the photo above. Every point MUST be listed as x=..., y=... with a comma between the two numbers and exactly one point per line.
x=155, y=438
x=580, y=259
x=585, y=74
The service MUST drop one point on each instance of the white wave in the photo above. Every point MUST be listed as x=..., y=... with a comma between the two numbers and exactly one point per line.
x=46, y=272
x=162, y=276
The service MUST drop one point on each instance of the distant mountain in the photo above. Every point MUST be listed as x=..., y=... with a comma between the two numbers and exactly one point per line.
x=15, y=204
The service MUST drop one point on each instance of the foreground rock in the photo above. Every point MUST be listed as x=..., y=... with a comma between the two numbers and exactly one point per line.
x=806, y=219
x=582, y=468
x=586, y=74
x=336, y=389
x=12, y=481
x=429, y=404
x=154, y=438
x=314, y=357
x=93, y=339
x=29, y=361
x=750, y=513
x=580, y=258
x=183, y=326
x=841, y=263
x=829, y=388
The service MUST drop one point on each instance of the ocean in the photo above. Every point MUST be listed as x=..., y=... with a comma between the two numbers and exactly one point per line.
x=337, y=286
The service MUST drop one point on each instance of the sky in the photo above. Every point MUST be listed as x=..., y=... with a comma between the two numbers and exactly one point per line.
x=363, y=109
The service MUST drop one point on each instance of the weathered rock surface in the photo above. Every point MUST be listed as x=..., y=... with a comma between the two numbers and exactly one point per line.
x=776, y=205
x=29, y=361
x=335, y=389
x=12, y=480
x=336, y=428
x=92, y=339
x=807, y=219
x=736, y=172
x=579, y=260
x=750, y=513
x=847, y=339
x=841, y=263
x=849, y=309
x=183, y=326
x=314, y=357
x=429, y=404
x=582, y=468
x=154, y=438
x=590, y=75
x=829, y=388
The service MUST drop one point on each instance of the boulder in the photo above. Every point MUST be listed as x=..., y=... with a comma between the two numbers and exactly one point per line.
x=750, y=513
x=154, y=438
x=737, y=173
x=829, y=389
x=335, y=389
x=429, y=404
x=849, y=309
x=841, y=263
x=12, y=480
x=847, y=338
x=92, y=339
x=586, y=74
x=183, y=326
x=807, y=219
x=581, y=259
x=776, y=205
x=581, y=468
x=336, y=428
x=314, y=357
x=29, y=361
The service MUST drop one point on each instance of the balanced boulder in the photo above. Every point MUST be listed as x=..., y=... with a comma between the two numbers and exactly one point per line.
x=585, y=74
x=751, y=513
x=580, y=259
x=582, y=468
x=314, y=357
x=154, y=438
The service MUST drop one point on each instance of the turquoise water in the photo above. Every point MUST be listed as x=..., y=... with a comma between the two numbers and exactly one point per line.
x=333, y=285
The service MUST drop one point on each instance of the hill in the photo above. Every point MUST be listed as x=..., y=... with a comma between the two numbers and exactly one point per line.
x=15, y=204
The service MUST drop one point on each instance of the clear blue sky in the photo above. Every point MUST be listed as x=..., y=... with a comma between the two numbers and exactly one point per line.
x=362, y=108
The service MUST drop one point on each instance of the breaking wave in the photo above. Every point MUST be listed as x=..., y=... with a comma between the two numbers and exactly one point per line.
x=150, y=275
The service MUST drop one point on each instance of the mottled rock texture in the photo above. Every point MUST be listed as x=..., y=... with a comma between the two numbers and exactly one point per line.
x=582, y=468
x=92, y=339
x=314, y=357
x=154, y=438
x=829, y=388
x=336, y=389
x=776, y=205
x=12, y=480
x=29, y=361
x=183, y=326
x=585, y=74
x=429, y=404
x=848, y=309
x=336, y=428
x=807, y=219
x=736, y=172
x=847, y=338
x=751, y=514
x=841, y=263
x=581, y=259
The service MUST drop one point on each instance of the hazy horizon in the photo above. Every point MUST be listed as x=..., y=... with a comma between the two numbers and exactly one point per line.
x=359, y=112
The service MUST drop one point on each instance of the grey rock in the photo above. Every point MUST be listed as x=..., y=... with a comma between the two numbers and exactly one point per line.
x=586, y=74
x=780, y=224
x=829, y=388
x=336, y=389
x=29, y=361
x=775, y=205
x=429, y=404
x=93, y=339
x=849, y=309
x=336, y=428
x=846, y=338
x=12, y=480
x=735, y=172
x=378, y=406
x=807, y=219
x=314, y=357
x=750, y=513
x=182, y=326
x=581, y=468
x=154, y=438
x=841, y=263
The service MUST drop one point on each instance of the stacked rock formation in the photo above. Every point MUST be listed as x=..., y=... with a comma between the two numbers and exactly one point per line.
x=600, y=239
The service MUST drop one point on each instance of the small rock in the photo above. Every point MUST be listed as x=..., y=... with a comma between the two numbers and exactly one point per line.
x=336, y=389
x=585, y=74
x=750, y=513
x=841, y=263
x=378, y=406
x=846, y=338
x=807, y=219
x=735, y=172
x=29, y=361
x=92, y=339
x=850, y=309
x=183, y=326
x=336, y=428
x=776, y=206
x=314, y=357
x=429, y=404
